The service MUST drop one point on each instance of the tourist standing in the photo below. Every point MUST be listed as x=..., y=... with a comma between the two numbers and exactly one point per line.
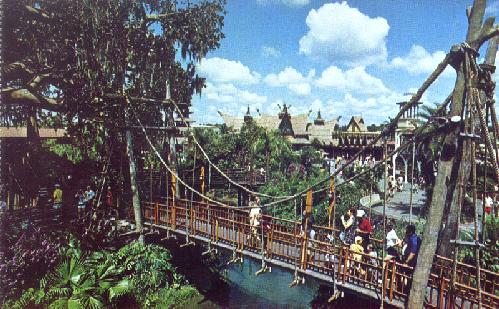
x=348, y=233
x=109, y=197
x=365, y=227
x=81, y=203
x=57, y=196
x=412, y=242
x=89, y=196
x=392, y=242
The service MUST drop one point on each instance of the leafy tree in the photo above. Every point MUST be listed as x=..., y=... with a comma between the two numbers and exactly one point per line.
x=248, y=148
x=81, y=59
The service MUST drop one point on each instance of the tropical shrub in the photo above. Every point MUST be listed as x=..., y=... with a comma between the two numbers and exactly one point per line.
x=137, y=274
x=148, y=268
x=25, y=256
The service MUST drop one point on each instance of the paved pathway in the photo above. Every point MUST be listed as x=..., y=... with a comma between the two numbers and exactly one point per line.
x=398, y=208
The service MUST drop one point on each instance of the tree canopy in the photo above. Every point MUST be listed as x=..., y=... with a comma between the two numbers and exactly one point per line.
x=75, y=56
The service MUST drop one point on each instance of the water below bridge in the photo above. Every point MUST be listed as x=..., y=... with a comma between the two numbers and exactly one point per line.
x=243, y=289
x=271, y=290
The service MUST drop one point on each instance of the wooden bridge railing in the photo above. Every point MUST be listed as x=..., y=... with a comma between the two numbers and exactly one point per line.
x=285, y=244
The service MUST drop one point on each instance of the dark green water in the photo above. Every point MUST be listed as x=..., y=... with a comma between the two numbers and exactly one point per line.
x=266, y=290
x=237, y=286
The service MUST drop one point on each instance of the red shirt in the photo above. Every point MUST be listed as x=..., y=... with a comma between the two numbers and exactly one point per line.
x=109, y=197
x=366, y=226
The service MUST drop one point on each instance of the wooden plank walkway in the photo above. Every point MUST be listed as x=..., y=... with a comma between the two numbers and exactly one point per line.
x=286, y=247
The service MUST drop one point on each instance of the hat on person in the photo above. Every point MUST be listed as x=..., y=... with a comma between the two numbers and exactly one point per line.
x=360, y=213
x=358, y=239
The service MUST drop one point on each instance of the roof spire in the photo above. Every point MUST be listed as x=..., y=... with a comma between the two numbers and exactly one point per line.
x=319, y=120
x=247, y=116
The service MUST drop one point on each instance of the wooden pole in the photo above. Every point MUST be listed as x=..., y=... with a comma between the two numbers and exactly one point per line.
x=385, y=154
x=478, y=33
x=174, y=196
x=412, y=180
x=150, y=182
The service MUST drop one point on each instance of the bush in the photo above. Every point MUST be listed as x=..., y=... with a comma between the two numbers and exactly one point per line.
x=138, y=274
x=149, y=269
x=24, y=258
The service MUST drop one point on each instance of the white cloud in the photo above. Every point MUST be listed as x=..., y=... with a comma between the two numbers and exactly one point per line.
x=292, y=79
x=374, y=109
x=222, y=70
x=290, y=3
x=419, y=61
x=228, y=93
x=492, y=9
x=339, y=33
x=356, y=79
x=270, y=52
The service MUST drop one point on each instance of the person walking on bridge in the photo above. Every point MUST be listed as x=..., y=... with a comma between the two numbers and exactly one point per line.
x=365, y=227
x=57, y=203
x=255, y=216
x=348, y=233
x=392, y=242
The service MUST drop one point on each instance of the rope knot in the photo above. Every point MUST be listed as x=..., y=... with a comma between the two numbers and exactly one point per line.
x=458, y=53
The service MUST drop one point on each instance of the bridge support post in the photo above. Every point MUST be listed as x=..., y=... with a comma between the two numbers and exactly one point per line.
x=239, y=197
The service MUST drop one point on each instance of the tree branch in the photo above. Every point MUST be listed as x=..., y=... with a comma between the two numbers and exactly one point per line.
x=32, y=98
x=38, y=12
x=16, y=70
x=487, y=34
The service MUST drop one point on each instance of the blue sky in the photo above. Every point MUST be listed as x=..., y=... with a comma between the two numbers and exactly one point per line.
x=344, y=58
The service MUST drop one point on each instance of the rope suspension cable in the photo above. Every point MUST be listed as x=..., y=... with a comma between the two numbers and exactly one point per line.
x=402, y=147
x=473, y=181
x=385, y=132
x=388, y=129
x=488, y=142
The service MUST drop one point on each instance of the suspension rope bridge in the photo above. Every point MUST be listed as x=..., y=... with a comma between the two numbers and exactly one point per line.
x=281, y=243
x=227, y=226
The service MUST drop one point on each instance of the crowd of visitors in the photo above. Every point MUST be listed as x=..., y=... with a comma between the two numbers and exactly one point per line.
x=84, y=199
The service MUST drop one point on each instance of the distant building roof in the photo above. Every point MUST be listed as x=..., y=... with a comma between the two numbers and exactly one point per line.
x=356, y=124
x=232, y=121
x=21, y=132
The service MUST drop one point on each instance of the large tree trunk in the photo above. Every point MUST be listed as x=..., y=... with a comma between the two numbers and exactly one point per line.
x=133, y=186
x=441, y=193
x=463, y=169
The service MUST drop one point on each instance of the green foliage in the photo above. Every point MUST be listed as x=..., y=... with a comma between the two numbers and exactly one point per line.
x=176, y=297
x=102, y=279
x=148, y=268
x=248, y=148
x=489, y=258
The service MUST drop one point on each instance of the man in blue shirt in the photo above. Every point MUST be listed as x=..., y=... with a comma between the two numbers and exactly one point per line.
x=412, y=242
